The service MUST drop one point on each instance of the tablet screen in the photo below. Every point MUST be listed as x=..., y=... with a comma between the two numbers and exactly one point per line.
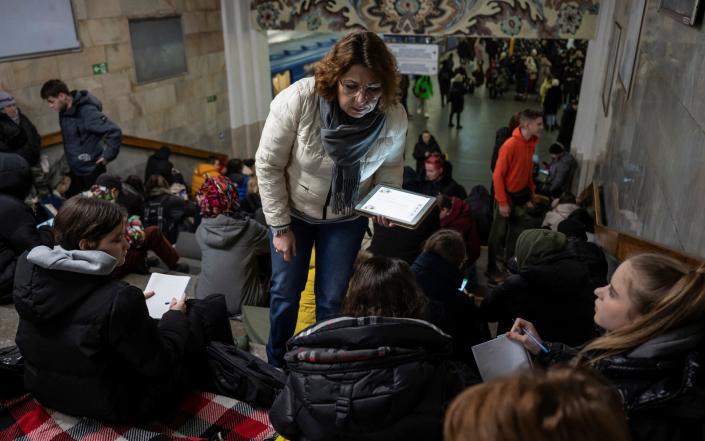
x=397, y=205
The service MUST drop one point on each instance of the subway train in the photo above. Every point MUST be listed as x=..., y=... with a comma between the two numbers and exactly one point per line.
x=294, y=59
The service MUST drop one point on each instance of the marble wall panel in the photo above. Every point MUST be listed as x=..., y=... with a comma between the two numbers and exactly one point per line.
x=119, y=56
x=173, y=109
x=80, y=12
x=653, y=172
x=214, y=21
x=194, y=22
x=80, y=64
x=109, y=30
x=103, y=8
x=117, y=84
x=34, y=71
x=141, y=8
x=7, y=76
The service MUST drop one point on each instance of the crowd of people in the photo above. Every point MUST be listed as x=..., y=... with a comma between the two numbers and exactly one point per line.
x=389, y=354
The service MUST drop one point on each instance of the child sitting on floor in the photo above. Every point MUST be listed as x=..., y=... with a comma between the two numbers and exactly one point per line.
x=90, y=347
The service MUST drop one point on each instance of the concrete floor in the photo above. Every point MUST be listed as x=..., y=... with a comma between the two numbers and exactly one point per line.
x=469, y=149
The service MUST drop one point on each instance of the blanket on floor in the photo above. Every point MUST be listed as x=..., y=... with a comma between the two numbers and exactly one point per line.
x=200, y=416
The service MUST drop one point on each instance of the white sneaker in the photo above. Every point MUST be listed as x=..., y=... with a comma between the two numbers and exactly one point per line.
x=427, y=115
x=418, y=111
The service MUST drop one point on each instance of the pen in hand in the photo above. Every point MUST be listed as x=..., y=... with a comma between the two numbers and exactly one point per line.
x=538, y=342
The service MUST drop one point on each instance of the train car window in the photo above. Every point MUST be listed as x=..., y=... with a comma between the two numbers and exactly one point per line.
x=281, y=81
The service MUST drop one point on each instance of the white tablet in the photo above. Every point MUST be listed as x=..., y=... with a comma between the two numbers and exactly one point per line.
x=402, y=207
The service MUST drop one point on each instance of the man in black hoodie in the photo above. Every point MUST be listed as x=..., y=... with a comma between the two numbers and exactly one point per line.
x=18, y=231
x=91, y=140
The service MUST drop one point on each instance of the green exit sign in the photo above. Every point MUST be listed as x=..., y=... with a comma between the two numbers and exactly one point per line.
x=100, y=68
x=211, y=98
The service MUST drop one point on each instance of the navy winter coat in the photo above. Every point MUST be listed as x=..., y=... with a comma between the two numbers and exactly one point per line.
x=88, y=134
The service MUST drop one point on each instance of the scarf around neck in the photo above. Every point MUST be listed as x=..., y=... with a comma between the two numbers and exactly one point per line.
x=347, y=140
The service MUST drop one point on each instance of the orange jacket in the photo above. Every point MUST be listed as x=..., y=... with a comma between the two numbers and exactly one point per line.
x=514, y=168
x=200, y=173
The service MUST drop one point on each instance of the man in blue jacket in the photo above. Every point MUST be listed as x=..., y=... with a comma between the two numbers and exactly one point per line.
x=91, y=140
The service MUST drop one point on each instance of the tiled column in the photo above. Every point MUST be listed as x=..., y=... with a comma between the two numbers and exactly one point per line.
x=247, y=65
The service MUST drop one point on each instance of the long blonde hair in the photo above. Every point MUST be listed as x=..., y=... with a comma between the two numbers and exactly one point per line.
x=666, y=295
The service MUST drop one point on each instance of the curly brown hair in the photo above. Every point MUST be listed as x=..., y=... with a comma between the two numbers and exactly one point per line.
x=364, y=48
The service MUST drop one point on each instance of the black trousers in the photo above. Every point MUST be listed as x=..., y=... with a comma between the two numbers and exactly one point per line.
x=81, y=183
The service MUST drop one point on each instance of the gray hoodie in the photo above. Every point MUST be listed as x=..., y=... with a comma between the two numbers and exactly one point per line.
x=93, y=262
x=229, y=246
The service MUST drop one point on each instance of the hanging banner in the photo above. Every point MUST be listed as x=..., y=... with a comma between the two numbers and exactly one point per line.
x=480, y=18
x=416, y=59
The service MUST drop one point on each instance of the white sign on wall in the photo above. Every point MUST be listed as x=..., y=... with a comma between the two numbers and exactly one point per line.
x=416, y=59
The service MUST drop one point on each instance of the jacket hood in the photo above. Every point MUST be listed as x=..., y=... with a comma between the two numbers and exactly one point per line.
x=459, y=209
x=349, y=340
x=535, y=244
x=49, y=282
x=675, y=341
x=444, y=272
x=221, y=231
x=15, y=179
x=83, y=98
x=163, y=153
x=92, y=262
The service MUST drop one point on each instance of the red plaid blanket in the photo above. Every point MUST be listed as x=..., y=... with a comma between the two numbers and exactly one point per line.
x=200, y=416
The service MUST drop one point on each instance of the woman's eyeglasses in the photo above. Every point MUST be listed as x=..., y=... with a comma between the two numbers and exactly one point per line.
x=353, y=89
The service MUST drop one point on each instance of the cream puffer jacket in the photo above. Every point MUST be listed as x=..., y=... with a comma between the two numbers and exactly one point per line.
x=293, y=169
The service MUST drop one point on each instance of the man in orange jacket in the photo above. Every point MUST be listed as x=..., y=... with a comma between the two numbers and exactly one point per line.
x=513, y=185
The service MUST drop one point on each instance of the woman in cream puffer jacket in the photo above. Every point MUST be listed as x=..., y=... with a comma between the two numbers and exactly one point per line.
x=326, y=142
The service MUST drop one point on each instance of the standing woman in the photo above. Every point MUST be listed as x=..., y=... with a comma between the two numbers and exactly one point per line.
x=326, y=142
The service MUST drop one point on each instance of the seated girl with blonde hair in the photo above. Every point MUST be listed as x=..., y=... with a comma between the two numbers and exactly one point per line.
x=653, y=313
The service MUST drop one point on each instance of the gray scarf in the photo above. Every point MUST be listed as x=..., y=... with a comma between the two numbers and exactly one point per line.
x=347, y=140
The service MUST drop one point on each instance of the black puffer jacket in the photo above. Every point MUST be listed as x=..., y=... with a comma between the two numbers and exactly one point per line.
x=450, y=309
x=368, y=378
x=555, y=294
x=21, y=138
x=89, y=344
x=662, y=384
x=18, y=227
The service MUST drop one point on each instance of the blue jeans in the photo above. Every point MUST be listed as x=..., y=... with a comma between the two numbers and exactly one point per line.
x=337, y=246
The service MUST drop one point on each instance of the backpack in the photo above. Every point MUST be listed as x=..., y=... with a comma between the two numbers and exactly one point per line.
x=241, y=375
x=11, y=372
x=154, y=215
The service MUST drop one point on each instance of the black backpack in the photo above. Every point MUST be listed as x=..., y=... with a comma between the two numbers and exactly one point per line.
x=241, y=375
x=11, y=372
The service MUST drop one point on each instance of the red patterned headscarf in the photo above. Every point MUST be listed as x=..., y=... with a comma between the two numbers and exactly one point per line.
x=218, y=195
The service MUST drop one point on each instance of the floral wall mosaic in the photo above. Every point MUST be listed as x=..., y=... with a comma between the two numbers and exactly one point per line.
x=484, y=18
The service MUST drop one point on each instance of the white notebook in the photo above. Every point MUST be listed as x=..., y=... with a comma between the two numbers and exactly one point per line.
x=500, y=357
x=165, y=288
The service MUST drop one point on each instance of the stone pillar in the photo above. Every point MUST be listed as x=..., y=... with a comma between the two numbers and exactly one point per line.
x=248, y=75
x=591, y=126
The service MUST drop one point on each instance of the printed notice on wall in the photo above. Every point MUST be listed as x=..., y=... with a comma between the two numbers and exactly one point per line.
x=416, y=59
